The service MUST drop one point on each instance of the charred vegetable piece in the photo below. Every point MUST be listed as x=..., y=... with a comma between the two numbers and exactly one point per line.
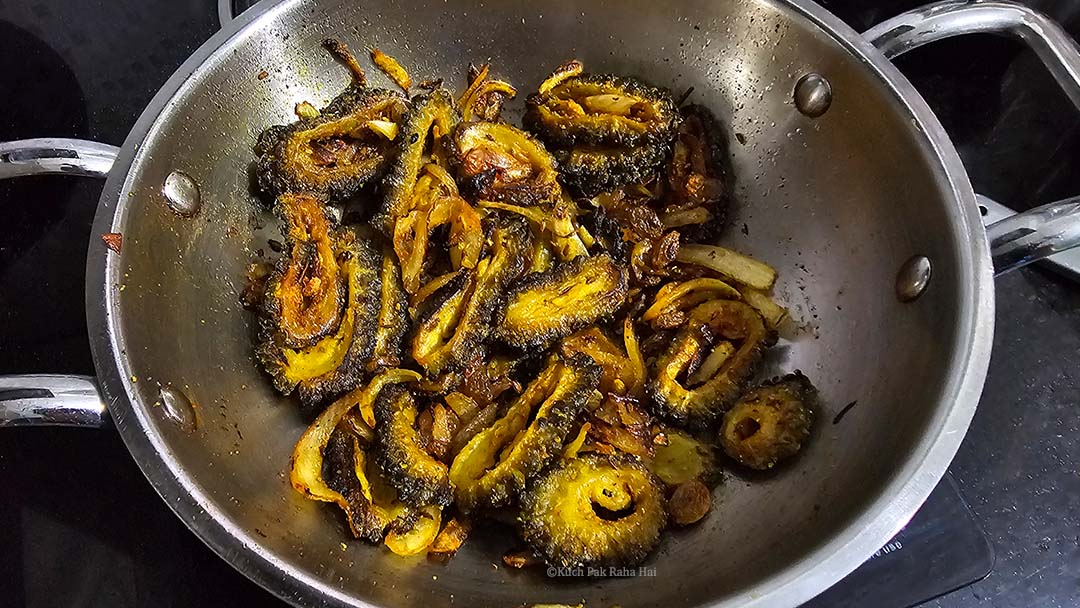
x=603, y=109
x=484, y=98
x=343, y=470
x=306, y=291
x=681, y=458
x=558, y=234
x=695, y=175
x=770, y=423
x=335, y=153
x=335, y=363
x=347, y=472
x=674, y=300
x=341, y=52
x=620, y=424
x=451, y=538
x=566, y=70
x=711, y=323
x=494, y=465
x=650, y=249
x=393, y=316
x=500, y=162
x=435, y=203
x=594, y=511
x=547, y=306
x=432, y=117
x=391, y=68
x=418, y=477
x=452, y=332
x=417, y=538
x=619, y=373
x=592, y=169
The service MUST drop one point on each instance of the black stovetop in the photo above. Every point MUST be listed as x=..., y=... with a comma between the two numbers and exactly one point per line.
x=79, y=526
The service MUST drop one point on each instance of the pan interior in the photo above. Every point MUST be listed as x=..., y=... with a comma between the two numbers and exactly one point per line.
x=836, y=203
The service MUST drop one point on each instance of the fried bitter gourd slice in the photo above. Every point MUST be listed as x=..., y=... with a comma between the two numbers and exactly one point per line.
x=710, y=390
x=419, y=478
x=432, y=116
x=306, y=290
x=335, y=363
x=452, y=331
x=434, y=202
x=492, y=468
x=770, y=423
x=547, y=306
x=499, y=162
x=335, y=153
x=328, y=464
x=590, y=169
x=393, y=315
x=594, y=510
x=602, y=109
x=620, y=374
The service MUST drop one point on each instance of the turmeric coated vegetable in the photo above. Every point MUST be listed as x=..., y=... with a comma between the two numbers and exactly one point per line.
x=419, y=536
x=432, y=116
x=494, y=465
x=770, y=423
x=500, y=162
x=306, y=291
x=335, y=363
x=548, y=306
x=681, y=458
x=594, y=511
x=393, y=320
x=335, y=153
x=484, y=98
x=306, y=471
x=619, y=372
x=710, y=323
x=391, y=68
x=602, y=109
x=417, y=476
x=453, y=331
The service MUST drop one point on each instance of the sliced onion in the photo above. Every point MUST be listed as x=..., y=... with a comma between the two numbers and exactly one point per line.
x=743, y=269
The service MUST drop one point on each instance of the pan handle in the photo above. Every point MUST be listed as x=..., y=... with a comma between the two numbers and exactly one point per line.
x=1016, y=239
x=941, y=20
x=224, y=12
x=56, y=155
x=53, y=399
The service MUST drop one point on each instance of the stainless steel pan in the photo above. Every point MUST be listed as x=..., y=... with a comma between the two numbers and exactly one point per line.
x=846, y=182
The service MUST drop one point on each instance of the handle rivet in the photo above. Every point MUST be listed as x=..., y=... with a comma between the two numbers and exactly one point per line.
x=913, y=278
x=177, y=409
x=182, y=193
x=813, y=95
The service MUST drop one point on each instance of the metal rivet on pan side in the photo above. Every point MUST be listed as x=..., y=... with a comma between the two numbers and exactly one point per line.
x=182, y=193
x=913, y=278
x=813, y=95
x=177, y=408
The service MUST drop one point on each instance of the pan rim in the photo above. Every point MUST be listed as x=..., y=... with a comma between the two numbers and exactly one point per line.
x=796, y=583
